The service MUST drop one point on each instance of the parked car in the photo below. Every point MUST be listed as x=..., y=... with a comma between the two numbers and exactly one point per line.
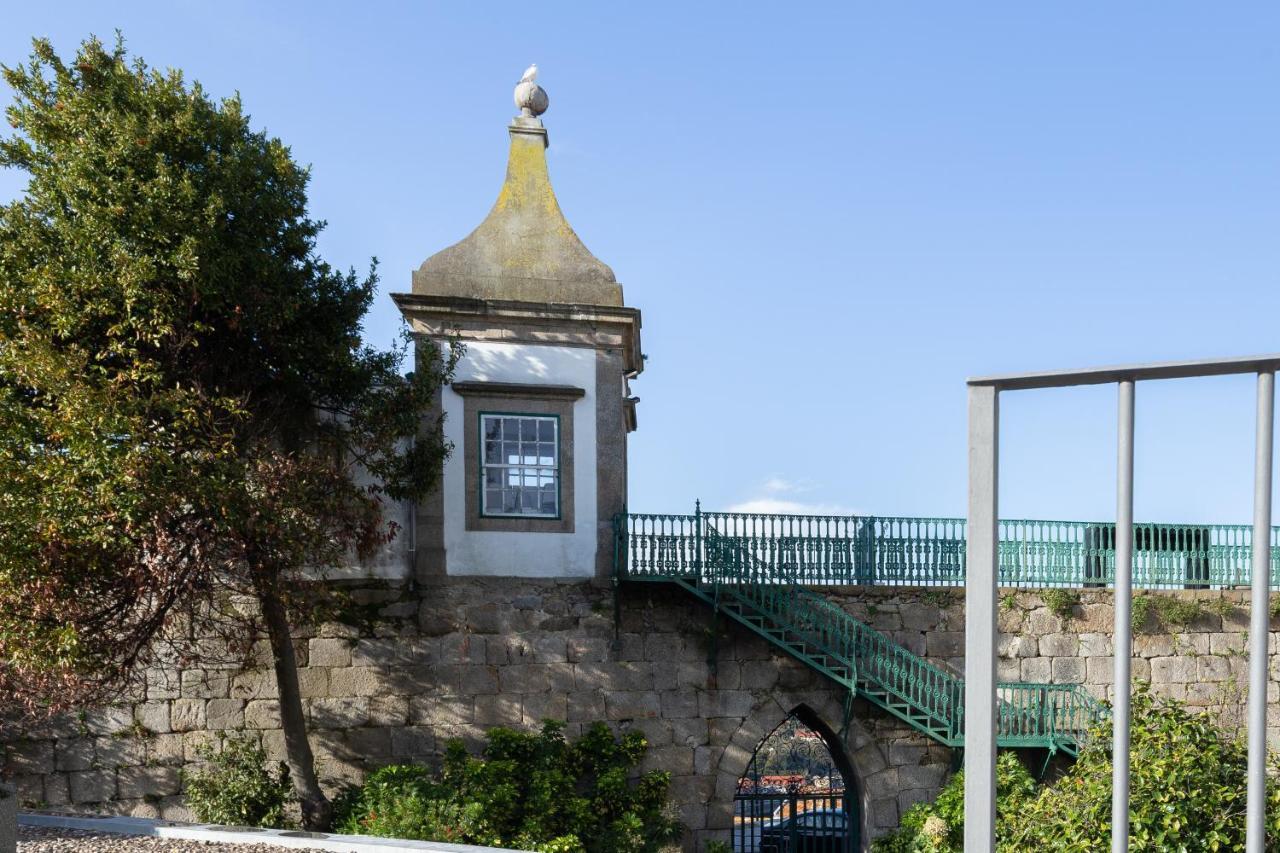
x=816, y=831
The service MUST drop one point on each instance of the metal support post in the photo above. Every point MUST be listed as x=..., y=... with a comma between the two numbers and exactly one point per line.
x=980, y=623
x=1255, y=821
x=1124, y=625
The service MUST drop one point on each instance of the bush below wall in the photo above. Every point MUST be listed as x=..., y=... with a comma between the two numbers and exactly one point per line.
x=1187, y=792
x=528, y=792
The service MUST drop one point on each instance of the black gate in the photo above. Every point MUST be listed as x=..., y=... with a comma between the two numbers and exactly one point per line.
x=792, y=823
x=793, y=799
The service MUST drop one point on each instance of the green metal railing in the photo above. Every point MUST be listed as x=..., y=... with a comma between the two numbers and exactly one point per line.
x=1033, y=714
x=935, y=695
x=891, y=551
x=759, y=569
x=731, y=569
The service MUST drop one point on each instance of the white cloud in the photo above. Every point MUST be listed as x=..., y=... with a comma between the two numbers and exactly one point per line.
x=779, y=485
x=778, y=506
x=776, y=496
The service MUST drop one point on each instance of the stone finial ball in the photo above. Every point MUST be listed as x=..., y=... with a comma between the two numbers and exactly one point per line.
x=531, y=98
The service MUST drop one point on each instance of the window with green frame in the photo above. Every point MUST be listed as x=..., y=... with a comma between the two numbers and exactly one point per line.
x=520, y=465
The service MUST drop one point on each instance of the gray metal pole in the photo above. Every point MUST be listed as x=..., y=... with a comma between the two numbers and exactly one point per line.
x=980, y=623
x=1256, y=835
x=1123, y=626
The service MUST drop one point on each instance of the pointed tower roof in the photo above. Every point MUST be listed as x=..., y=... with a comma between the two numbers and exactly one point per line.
x=524, y=250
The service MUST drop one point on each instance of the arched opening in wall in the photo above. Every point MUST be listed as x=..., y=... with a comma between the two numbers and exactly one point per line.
x=798, y=793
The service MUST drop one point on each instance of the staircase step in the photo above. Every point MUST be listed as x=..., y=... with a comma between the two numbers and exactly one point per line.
x=871, y=678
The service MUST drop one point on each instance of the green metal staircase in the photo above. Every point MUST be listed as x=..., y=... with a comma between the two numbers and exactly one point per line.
x=759, y=587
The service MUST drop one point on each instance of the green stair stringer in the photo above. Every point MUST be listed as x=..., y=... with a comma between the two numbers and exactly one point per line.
x=731, y=577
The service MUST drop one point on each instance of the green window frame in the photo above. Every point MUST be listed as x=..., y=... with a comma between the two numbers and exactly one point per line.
x=520, y=465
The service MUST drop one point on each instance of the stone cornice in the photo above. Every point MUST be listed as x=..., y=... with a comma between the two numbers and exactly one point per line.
x=518, y=389
x=441, y=314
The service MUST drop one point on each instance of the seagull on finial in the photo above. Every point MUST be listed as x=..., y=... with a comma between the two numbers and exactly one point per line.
x=530, y=97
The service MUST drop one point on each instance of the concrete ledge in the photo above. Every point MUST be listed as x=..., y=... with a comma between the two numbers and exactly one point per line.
x=245, y=835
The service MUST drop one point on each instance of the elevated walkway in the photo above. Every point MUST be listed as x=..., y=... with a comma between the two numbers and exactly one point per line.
x=761, y=570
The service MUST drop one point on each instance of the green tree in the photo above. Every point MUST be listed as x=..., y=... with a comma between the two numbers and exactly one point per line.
x=1187, y=789
x=188, y=415
x=1187, y=793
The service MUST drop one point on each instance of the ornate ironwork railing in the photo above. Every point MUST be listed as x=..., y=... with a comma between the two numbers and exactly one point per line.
x=900, y=551
x=1030, y=714
x=761, y=570
x=732, y=565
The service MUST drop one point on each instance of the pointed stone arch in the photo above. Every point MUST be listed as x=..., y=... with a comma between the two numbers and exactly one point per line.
x=860, y=758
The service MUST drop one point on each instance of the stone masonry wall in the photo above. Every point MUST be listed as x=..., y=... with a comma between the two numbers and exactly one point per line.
x=420, y=666
x=1191, y=646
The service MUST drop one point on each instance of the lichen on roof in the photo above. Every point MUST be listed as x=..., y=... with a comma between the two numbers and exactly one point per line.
x=524, y=249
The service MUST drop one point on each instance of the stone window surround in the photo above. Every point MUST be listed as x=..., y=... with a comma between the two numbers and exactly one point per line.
x=526, y=399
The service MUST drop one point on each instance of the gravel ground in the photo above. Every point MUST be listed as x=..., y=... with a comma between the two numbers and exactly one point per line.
x=48, y=839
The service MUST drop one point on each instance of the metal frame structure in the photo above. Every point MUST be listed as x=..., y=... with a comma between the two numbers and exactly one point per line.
x=982, y=576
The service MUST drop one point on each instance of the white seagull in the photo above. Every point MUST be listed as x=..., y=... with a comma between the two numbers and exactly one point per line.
x=530, y=74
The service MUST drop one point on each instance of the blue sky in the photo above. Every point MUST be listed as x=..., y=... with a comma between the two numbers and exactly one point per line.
x=830, y=215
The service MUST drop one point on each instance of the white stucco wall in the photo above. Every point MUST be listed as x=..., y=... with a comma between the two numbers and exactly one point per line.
x=540, y=555
x=394, y=560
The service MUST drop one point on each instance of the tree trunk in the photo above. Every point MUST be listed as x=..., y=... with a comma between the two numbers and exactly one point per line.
x=317, y=811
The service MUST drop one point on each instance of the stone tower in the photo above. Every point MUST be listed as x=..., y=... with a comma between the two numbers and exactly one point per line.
x=539, y=408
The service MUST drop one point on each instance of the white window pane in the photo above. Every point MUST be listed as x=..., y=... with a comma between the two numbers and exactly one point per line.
x=520, y=460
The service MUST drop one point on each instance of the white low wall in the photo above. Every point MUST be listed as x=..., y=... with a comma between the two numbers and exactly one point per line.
x=237, y=835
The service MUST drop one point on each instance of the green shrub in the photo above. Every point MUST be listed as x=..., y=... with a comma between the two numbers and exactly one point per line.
x=1187, y=789
x=237, y=788
x=717, y=847
x=938, y=827
x=529, y=791
x=1140, y=609
x=1220, y=607
x=1169, y=611
x=1061, y=602
x=404, y=801
x=941, y=598
x=1187, y=792
x=1178, y=612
